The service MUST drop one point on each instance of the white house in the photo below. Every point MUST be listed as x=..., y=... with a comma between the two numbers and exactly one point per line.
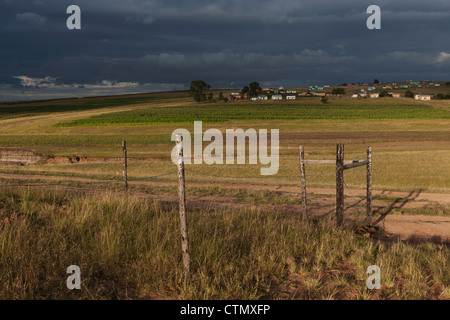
x=374, y=95
x=354, y=96
x=277, y=97
x=395, y=95
x=422, y=97
x=291, y=91
x=290, y=97
x=262, y=97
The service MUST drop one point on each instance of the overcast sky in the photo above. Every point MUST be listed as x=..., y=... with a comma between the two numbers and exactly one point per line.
x=152, y=45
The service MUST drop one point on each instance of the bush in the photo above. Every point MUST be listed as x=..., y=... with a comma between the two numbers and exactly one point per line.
x=409, y=94
x=385, y=93
x=338, y=91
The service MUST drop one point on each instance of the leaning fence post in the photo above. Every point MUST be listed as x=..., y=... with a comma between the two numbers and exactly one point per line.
x=125, y=164
x=340, y=184
x=369, y=185
x=182, y=212
x=303, y=178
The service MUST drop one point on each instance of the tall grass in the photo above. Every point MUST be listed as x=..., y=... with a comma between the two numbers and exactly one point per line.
x=124, y=242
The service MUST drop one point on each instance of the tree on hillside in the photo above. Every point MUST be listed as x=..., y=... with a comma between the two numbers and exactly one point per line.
x=409, y=94
x=245, y=90
x=385, y=93
x=254, y=89
x=198, y=90
x=338, y=91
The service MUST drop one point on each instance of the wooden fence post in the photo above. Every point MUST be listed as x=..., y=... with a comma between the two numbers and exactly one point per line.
x=303, y=178
x=340, y=184
x=369, y=185
x=182, y=200
x=125, y=164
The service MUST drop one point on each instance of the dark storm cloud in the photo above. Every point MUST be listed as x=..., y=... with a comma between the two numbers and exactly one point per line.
x=151, y=45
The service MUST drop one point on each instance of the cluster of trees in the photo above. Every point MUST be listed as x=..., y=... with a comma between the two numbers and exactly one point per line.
x=200, y=91
x=252, y=90
x=440, y=96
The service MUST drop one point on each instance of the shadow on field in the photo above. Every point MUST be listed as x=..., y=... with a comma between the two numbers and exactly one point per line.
x=396, y=204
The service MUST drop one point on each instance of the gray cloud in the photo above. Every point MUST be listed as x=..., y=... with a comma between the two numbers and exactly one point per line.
x=31, y=18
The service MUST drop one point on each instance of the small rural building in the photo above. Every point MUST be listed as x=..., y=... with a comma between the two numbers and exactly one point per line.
x=396, y=95
x=374, y=95
x=277, y=97
x=291, y=97
x=291, y=91
x=262, y=97
x=354, y=96
x=422, y=97
x=235, y=93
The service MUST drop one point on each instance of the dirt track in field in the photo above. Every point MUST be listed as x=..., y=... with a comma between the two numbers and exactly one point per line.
x=413, y=228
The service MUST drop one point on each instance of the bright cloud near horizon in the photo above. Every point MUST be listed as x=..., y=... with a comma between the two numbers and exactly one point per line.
x=154, y=45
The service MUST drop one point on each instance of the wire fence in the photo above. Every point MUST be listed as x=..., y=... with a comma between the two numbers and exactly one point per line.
x=322, y=177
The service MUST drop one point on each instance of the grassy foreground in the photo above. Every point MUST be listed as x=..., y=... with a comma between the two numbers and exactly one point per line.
x=133, y=243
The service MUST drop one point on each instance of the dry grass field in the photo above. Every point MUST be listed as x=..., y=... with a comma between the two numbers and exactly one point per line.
x=248, y=239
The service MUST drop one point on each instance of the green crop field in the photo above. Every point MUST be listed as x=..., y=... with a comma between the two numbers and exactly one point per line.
x=217, y=113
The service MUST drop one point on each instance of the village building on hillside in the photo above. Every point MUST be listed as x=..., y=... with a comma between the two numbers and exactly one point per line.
x=422, y=97
x=374, y=95
x=291, y=91
x=291, y=97
x=395, y=95
x=277, y=97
